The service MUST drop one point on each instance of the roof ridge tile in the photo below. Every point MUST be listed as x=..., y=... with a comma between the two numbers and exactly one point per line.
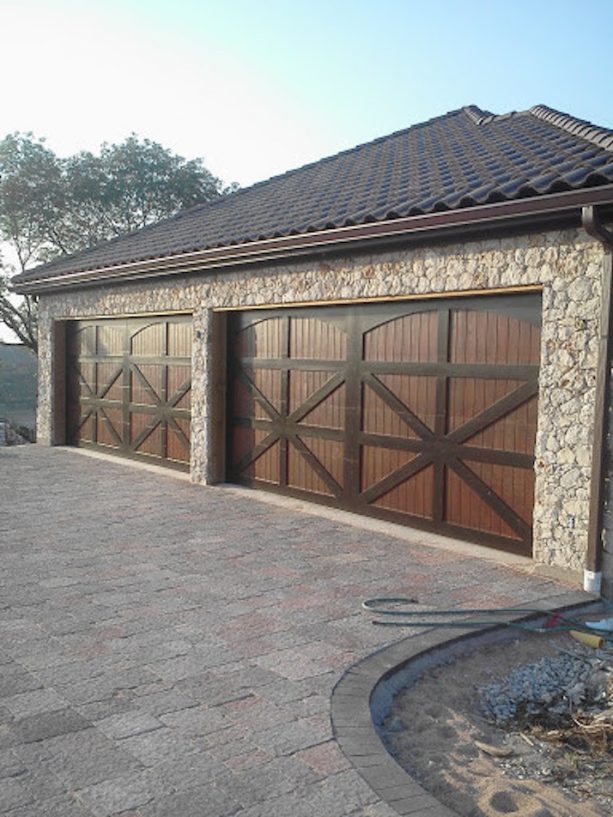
x=599, y=136
x=478, y=115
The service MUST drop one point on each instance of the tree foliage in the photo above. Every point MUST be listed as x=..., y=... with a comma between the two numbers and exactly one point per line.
x=50, y=206
x=19, y=315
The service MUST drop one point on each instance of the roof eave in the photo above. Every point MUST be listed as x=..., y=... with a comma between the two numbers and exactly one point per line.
x=507, y=213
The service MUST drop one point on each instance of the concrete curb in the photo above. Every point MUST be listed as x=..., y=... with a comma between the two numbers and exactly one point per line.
x=364, y=695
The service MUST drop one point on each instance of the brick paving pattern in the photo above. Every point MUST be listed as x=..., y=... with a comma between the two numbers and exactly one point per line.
x=169, y=650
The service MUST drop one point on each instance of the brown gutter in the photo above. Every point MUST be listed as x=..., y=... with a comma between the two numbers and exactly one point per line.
x=594, y=557
x=409, y=228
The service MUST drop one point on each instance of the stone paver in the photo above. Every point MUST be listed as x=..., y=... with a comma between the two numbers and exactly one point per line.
x=169, y=649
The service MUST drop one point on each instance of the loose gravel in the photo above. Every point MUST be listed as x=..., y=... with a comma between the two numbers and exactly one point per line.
x=520, y=727
x=548, y=689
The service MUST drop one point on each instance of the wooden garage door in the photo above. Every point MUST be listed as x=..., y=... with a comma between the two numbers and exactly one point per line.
x=423, y=412
x=129, y=387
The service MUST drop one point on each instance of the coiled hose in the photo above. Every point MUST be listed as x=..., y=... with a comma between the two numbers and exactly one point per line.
x=556, y=621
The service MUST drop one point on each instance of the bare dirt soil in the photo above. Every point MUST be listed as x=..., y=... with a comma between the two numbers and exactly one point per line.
x=560, y=766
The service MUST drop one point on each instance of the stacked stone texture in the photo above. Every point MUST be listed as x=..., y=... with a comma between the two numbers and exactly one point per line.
x=566, y=264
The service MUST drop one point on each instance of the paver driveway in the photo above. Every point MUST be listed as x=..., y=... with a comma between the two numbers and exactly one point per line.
x=168, y=650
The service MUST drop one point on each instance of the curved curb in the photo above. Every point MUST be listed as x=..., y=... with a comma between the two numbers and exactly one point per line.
x=364, y=695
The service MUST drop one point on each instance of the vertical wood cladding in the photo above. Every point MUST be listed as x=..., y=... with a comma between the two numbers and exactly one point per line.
x=422, y=412
x=129, y=387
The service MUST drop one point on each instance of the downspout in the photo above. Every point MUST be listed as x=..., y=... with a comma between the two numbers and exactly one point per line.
x=592, y=576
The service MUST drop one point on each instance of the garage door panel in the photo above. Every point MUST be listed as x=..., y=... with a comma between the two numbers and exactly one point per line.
x=86, y=379
x=180, y=340
x=122, y=371
x=108, y=380
x=262, y=339
x=147, y=383
x=247, y=442
x=510, y=484
x=179, y=439
x=87, y=427
x=398, y=476
x=381, y=419
x=417, y=393
x=85, y=340
x=470, y=396
x=243, y=399
x=413, y=497
x=330, y=454
x=411, y=337
x=146, y=435
x=178, y=449
x=491, y=337
x=468, y=509
x=499, y=410
x=329, y=411
x=424, y=390
x=257, y=394
x=303, y=384
x=179, y=387
x=267, y=382
x=516, y=431
x=149, y=341
x=313, y=339
x=378, y=463
x=266, y=466
x=109, y=426
x=306, y=471
x=110, y=340
x=141, y=426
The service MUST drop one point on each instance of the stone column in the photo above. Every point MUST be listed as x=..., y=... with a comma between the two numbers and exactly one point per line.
x=201, y=431
x=607, y=521
x=45, y=408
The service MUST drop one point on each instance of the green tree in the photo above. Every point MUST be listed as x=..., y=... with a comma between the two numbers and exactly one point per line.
x=18, y=314
x=51, y=206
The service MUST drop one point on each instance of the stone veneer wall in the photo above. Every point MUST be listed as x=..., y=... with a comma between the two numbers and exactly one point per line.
x=607, y=523
x=568, y=265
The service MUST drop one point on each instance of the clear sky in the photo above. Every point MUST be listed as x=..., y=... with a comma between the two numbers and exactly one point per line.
x=257, y=87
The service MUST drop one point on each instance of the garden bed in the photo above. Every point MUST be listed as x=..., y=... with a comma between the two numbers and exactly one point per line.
x=523, y=727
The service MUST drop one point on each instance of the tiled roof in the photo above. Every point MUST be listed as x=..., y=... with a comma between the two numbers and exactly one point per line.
x=462, y=159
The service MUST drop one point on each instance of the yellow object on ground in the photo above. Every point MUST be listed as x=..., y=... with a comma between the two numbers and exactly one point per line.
x=588, y=639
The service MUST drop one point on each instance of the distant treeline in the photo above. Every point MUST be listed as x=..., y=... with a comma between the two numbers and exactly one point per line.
x=18, y=368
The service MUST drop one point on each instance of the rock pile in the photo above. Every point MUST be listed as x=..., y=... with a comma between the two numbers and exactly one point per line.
x=550, y=689
x=8, y=435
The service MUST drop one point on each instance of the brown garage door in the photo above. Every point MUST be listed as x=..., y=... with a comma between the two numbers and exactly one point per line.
x=423, y=411
x=129, y=387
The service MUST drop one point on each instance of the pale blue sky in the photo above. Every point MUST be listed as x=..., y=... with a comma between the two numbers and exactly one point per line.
x=259, y=87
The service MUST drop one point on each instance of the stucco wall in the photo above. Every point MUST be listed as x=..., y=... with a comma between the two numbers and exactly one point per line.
x=567, y=264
